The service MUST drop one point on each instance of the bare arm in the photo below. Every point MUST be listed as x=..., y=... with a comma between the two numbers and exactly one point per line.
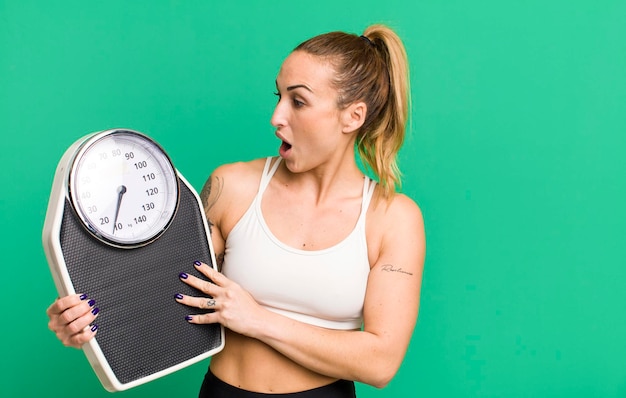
x=372, y=355
x=210, y=194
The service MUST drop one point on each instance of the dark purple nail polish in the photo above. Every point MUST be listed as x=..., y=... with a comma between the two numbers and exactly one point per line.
x=188, y=317
x=95, y=311
x=91, y=302
x=197, y=263
x=179, y=296
x=94, y=328
x=183, y=275
x=83, y=296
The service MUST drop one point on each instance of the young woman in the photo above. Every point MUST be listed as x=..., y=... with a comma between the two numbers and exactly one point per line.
x=321, y=267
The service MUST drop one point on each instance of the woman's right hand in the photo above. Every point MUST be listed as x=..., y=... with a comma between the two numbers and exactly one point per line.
x=71, y=319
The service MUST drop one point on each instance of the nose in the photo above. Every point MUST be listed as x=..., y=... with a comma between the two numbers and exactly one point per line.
x=279, y=116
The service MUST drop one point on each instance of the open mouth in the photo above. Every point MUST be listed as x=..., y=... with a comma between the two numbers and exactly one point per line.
x=284, y=149
x=285, y=146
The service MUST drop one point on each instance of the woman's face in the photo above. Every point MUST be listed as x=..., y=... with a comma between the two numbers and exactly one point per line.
x=306, y=117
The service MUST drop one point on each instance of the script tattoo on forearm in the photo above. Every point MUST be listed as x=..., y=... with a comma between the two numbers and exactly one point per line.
x=209, y=201
x=390, y=268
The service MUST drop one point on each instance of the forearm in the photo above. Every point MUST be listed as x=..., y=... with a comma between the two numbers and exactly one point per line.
x=345, y=354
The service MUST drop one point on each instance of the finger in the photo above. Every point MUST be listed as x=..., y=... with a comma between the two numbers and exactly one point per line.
x=62, y=304
x=77, y=332
x=70, y=315
x=79, y=339
x=203, y=319
x=208, y=271
x=65, y=331
x=202, y=285
x=59, y=321
x=205, y=303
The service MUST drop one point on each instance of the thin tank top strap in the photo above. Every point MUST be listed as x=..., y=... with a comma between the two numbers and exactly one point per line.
x=368, y=190
x=268, y=173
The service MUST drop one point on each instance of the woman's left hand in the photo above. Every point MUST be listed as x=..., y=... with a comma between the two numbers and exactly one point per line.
x=232, y=306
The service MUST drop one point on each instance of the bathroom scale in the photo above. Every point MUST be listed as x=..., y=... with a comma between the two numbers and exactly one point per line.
x=121, y=224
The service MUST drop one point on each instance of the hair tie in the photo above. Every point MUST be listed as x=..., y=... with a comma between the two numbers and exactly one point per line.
x=367, y=40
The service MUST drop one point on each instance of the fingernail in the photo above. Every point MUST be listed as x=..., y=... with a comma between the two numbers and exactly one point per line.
x=183, y=275
x=95, y=311
x=91, y=302
x=83, y=296
x=188, y=317
x=197, y=263
x=94, y=328
x=179, y=296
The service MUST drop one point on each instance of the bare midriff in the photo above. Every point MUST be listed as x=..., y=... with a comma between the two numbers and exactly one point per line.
x=252, y=365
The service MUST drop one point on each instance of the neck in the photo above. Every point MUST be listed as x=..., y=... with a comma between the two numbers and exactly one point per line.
x=329, y=181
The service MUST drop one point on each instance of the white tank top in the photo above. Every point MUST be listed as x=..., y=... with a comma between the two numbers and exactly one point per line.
x=320, y=287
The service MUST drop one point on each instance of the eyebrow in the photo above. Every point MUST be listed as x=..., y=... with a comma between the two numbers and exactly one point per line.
x=295, y=86
x=290, y=88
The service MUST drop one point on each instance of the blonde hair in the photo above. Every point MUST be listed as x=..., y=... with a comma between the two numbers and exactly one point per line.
x=372, y=68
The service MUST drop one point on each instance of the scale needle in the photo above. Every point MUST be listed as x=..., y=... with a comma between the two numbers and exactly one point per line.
x=121, y=190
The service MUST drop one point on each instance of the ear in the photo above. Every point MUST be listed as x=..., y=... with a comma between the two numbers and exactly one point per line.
x=353, y=117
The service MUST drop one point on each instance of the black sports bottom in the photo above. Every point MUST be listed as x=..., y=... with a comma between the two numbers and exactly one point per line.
x=212, y=387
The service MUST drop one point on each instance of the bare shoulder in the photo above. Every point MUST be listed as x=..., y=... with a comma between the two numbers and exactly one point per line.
x=235, y=177
x=395, y=229
x=229, y=190
x=398, y=211
x=240, y=170
x=239, y=175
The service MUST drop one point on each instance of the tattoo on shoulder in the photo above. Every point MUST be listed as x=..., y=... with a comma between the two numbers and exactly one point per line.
x=390, y=268
x=219, y=258
x=209, y=200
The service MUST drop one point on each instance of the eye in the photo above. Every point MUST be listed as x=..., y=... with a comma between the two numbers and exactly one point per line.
x=298, y=104
x=276, y=93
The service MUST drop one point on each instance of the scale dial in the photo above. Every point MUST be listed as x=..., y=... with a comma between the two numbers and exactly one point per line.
x=124, y=188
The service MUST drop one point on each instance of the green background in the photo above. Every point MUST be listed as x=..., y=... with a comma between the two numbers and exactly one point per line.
x=515, y=154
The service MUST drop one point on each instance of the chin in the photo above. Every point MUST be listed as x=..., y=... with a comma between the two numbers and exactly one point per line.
x=293, y=166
